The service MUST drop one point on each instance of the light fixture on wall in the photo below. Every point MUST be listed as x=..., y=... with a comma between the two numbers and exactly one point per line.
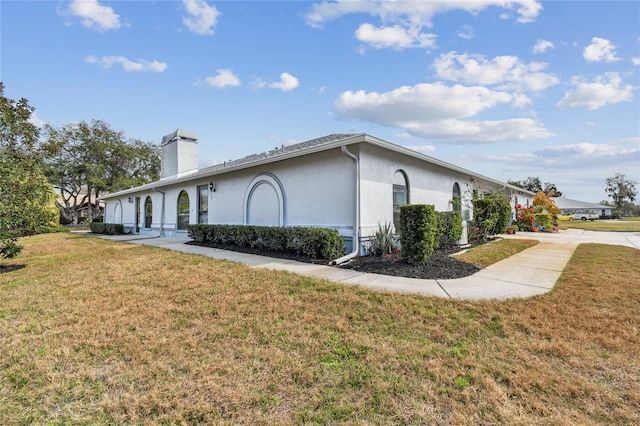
x=212, y=187
x=130, y=200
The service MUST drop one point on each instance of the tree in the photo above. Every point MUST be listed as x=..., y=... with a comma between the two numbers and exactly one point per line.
x=534, y=184
x=88, y=159
x=25, y=193
x=621, y=189
x=491, y=213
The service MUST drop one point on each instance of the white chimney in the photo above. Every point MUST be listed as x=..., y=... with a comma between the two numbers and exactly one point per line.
x=179, y=154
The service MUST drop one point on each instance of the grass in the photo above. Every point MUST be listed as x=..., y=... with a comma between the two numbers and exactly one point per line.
x=489, y=254
x=627, y=225
x=99, y=332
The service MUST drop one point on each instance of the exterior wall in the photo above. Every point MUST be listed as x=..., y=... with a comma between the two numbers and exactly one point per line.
x=315, y=190
x=427, y=184
x=312, y=190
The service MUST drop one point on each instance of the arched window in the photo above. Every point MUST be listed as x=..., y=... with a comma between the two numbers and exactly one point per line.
x=400, y=195
x=117, y=213
x=148, y=212
x=183, y=210
x=456, y=198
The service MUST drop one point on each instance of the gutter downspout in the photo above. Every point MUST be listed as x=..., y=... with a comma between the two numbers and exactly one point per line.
x=356, y=219
x=161, y=213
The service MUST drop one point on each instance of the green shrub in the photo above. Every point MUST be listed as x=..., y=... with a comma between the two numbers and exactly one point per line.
x=106, y=228
x=382, y=241
x=317, y=243
x=419, y=232
x=491, y=214
x=543, y=219
x=51, y=229
x=450, y=228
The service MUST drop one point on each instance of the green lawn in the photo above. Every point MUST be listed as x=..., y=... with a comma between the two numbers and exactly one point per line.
x=101, y=332
x=626, y=225
x=489, y=254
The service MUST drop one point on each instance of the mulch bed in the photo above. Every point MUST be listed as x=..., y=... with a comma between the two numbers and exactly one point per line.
x=439, y=266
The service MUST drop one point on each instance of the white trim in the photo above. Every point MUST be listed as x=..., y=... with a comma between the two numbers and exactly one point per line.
x=267, y=179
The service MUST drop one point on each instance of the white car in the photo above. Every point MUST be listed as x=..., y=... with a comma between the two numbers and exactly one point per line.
x=585, y=216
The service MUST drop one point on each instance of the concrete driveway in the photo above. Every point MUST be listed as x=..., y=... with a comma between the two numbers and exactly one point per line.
x=579, y=236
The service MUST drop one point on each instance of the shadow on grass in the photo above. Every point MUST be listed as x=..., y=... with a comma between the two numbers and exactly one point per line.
x=5, y=269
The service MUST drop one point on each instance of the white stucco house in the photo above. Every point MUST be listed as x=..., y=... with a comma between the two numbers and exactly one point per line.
x=349, y=182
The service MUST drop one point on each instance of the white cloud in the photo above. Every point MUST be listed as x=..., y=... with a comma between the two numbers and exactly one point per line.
x=127, y=64
x=414, y=12
x=201, y=17
x=466, y=32
x=507, y=72
x=94, y=15
x=604, y=90
x=223, y=78
x=35, y=120
x=438, y=112
x=287, y=83
x=258, y=83
x=600, y=50
x=580, y=156
x=579, y=170
x=520, y=100
x=422, y=149
x=542, y=46
x=402, y=22
x=490, y=131
x=395, y=37
x=635, y=60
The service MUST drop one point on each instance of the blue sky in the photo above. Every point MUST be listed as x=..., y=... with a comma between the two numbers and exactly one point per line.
x=506, y=89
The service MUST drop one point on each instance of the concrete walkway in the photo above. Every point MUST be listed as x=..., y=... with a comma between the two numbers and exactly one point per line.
x=528, y=273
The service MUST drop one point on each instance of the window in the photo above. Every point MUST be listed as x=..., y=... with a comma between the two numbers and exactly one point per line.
x=400, y=196
x=456, y=198
x=183, y=210
x=203, y=204
x=148, y=212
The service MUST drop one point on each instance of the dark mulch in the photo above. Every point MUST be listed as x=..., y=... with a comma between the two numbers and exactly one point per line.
x=439, y=266
x=4, y=269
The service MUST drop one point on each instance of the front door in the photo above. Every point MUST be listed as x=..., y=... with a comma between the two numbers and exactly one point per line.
x=137, y=225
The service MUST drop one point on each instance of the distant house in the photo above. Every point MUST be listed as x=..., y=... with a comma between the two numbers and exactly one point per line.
x=75, y=210
x=571, y=207
x=349, y=182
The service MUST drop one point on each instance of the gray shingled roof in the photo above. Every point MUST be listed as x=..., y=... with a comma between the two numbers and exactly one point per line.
x=566, y=203
x=309, y=146
x=279, y=151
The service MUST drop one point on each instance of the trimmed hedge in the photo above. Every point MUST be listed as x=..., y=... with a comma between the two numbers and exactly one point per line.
x=106, y=228
x=317, y=243
x=419, y=232
x=50, y=229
